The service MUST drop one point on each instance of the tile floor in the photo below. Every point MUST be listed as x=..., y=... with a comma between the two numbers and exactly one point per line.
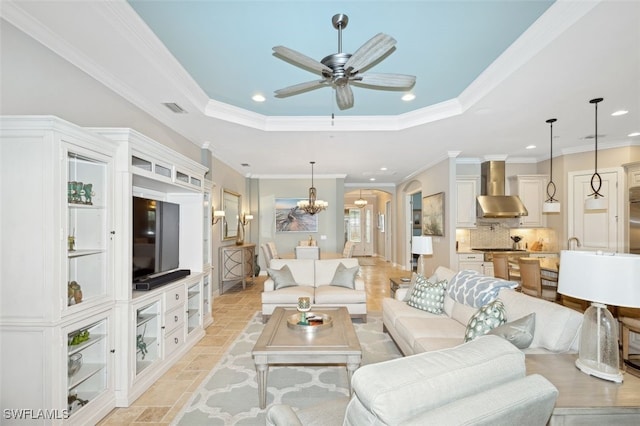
x=231, y=311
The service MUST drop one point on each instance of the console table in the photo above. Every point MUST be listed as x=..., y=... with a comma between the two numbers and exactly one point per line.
x=585, y=399
x=236, y=264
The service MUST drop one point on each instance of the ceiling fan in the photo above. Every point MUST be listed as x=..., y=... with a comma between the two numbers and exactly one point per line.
x=340, y=70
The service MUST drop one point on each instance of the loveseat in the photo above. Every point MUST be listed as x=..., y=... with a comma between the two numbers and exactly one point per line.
x=317, y=279
x=556, y=328
x=482, y=382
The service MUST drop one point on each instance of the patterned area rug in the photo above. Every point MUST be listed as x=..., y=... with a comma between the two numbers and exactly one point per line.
x=229, y=395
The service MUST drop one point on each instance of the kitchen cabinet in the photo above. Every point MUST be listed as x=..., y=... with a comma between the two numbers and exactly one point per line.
x=532, y=191
x=471, y=261
x=466, y=193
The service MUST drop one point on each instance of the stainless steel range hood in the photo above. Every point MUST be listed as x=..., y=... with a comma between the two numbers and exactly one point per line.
x=493, y=203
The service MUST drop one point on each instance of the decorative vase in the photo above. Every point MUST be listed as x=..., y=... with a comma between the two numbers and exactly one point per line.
x=240, y=234
x=256, y=267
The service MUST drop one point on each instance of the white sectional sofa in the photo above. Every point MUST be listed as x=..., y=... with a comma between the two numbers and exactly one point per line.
x=313, y=279
x=482, y=382
x=557, y=328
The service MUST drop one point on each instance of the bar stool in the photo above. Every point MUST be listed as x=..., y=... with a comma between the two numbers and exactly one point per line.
x=532, y=280
x=501, y=266
x=630, y=322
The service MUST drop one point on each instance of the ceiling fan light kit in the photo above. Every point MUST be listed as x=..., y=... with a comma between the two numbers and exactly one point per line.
x=340, y=70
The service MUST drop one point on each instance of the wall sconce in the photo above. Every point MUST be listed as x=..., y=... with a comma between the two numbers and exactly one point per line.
x=216, y=216
x=597, y=202
x=246, y=218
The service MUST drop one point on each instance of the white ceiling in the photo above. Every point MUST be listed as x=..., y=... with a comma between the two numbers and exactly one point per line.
x=481, y=92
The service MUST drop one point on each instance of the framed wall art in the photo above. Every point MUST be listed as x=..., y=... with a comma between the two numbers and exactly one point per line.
x=433, y=214
x=289, y=218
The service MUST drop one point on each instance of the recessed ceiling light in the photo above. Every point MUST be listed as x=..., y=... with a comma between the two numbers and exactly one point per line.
x=258, y=98
x=620, y=112
x=408, y=97
x=372, y=179
x=633, y=134
x=383, y=168
x=530, y=147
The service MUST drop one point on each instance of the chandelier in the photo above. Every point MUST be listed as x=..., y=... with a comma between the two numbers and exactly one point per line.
x=312, y=205
x=360, y=202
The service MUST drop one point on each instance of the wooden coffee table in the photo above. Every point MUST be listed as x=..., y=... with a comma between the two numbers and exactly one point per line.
x=584, y=399
x=280, y=344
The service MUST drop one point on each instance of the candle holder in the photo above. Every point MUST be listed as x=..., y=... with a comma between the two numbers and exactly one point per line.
x=304, y=306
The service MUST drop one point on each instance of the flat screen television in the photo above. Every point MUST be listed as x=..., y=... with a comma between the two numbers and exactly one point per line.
x=156, y=237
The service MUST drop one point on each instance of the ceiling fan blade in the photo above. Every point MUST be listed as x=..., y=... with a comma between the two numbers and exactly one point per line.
x=344, y=96
x=370, y=52
x=386, y=80
x=300, y=59
x=298, y=88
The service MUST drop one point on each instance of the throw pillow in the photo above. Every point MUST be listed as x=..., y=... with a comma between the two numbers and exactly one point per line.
x=345, y=277
x=412, y=284
x=428, y=296
x=282, y=277
x=485, y=319
x=473, y=289
x=518, y=332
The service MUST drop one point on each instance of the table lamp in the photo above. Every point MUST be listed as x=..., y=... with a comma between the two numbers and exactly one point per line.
x=420, y=246
x=603, y=279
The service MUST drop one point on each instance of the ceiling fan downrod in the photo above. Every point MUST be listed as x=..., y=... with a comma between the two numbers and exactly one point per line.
x=340, y=22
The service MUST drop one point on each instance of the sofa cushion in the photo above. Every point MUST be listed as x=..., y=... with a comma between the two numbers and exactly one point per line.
x=557, y=327
x=412, y=329
x=282, y=277
x=334, y=295
x=301, y=269
x=519, y=332
x=488, y=317
x=345, y=277
x=325, y=269
x=287, y=296
x=428, y=296
x=474, y=289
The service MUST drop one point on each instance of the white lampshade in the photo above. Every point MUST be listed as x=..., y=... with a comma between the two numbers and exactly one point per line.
x=422, y=245
x=608, y=278
x=604, y=279
x=551, y=207
x=595, y=203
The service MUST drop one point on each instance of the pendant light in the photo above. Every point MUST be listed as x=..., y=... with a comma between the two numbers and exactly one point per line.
x=597, y=202
x=360, y=202
x=551, y=205
x=312, y=205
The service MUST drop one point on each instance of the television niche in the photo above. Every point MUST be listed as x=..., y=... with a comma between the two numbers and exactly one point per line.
x=156, y=243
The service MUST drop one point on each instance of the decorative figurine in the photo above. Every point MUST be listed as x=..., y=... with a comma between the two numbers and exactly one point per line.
x=77, y=192
x=74, y=293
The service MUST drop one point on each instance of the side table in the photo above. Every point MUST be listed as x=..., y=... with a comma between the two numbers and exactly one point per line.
x=395, y=283
x=585, y=399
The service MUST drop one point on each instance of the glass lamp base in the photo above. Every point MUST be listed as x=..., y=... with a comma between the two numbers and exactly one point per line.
x=601, y=371
x=599, y=352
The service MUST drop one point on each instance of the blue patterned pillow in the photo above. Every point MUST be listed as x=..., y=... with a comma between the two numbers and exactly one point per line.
x=428, y=296
x=474, y=289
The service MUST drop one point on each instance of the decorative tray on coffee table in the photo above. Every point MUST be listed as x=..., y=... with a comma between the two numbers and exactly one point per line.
x=316, y=321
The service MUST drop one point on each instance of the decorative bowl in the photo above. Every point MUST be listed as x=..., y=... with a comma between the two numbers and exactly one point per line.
x=74, y=364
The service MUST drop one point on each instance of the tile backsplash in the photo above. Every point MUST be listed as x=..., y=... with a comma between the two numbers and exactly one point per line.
x=498, y=235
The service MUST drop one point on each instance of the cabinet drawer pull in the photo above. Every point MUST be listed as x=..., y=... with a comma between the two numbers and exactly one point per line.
x=177, y=296
x=175, y=318
x=175, y=339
